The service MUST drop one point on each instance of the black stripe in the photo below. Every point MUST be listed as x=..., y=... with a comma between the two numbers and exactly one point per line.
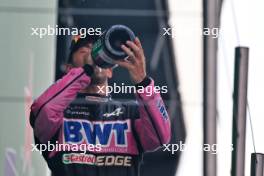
x=33, y=121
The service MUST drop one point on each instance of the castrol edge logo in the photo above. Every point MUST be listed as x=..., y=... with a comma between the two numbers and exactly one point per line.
x=90, y=159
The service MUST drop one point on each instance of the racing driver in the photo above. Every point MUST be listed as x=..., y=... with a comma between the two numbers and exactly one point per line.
x=73, y=111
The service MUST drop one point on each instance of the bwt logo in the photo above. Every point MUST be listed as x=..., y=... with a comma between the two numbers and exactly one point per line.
x=78, y=131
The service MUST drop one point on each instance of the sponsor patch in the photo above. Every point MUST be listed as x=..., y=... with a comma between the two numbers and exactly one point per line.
x=96, y=132
x=102, y=160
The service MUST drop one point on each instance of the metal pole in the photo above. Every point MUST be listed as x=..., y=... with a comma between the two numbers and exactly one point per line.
x=257, y=164
x=239, y=111
x=210, y=20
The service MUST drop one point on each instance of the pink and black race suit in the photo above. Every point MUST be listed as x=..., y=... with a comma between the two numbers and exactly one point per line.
x=115, y=134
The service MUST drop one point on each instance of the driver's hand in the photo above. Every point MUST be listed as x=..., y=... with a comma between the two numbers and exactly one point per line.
x=135, y=63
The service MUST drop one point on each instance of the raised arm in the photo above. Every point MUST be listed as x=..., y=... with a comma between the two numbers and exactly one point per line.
x=153, y=126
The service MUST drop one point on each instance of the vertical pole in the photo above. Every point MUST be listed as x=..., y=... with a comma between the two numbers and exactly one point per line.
x=210, y=20
x=257, y=164
x=239, y=111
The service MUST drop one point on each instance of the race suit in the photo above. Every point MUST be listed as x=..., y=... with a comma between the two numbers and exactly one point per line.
x=118, y=132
